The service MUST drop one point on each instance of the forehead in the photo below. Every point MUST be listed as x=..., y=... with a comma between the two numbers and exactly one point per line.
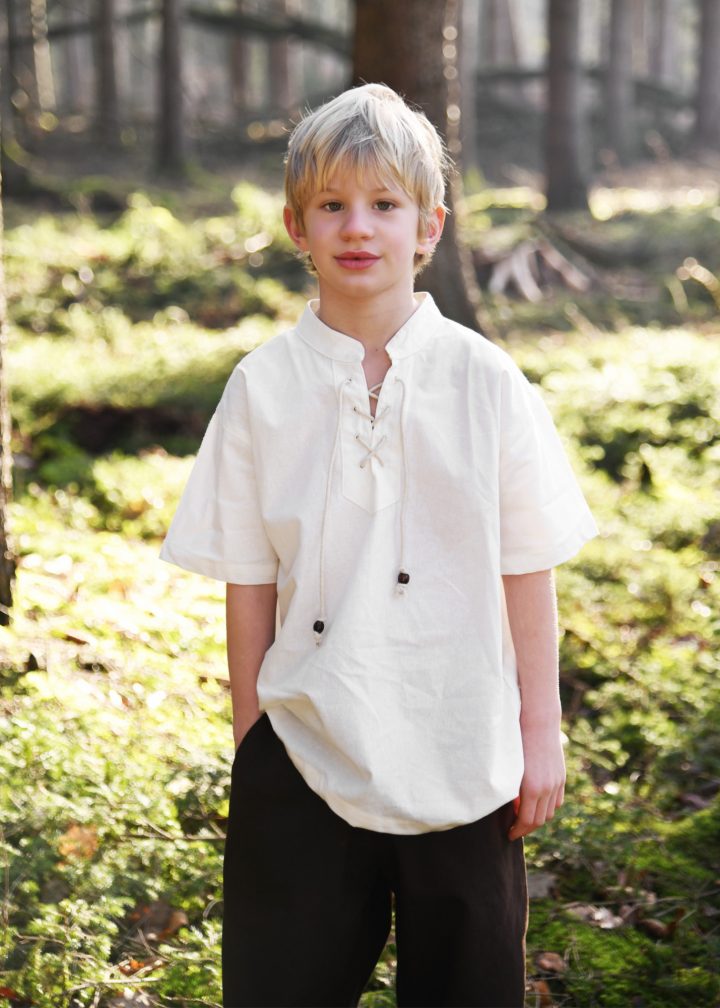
x=344, y=175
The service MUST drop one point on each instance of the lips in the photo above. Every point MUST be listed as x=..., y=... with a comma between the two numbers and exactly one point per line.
x=356, y=260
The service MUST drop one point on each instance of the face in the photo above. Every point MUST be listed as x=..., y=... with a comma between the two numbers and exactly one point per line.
x=363, y=237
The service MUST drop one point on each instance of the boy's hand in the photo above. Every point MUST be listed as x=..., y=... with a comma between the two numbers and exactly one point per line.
x=543, y=785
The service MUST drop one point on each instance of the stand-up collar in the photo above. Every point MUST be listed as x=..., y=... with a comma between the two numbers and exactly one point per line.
x=423, y=322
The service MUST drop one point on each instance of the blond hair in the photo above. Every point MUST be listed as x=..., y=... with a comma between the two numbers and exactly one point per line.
x=371, y=130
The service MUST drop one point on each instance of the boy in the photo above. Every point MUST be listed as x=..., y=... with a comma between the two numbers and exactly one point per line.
x=392, y=481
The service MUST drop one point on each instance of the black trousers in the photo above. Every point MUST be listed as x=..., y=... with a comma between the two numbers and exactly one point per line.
x=308, y=898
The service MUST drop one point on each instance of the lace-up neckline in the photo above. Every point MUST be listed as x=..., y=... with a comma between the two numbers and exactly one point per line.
x=371, y=452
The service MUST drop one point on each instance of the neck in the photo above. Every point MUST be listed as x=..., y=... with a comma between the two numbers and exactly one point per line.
x=371, y=323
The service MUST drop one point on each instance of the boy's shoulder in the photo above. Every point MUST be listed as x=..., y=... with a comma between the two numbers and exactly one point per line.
x=471, y=347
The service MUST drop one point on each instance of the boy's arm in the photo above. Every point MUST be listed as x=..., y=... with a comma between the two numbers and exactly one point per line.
x=250, y=621
x=532, y=613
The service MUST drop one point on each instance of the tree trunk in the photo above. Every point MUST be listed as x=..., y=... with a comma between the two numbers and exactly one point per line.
x=106, y=100
x=21, y=66
x=171, y=137
x=500, y=46
x=13, y=131
x=565, y=184
x=72, y=48
x=641, y=47
x=239, y=68
x=411, y=45
x=468, y=59
x=281, y=66
x=707, y=121
x=619, y=87
x=7, y=559
x=664, y=42
x=41, y=55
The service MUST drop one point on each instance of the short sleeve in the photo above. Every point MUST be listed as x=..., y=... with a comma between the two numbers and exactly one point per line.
x=217, y=529
x=544, y=518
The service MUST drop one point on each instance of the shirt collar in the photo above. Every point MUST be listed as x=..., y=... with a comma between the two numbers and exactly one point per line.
x=340, y=347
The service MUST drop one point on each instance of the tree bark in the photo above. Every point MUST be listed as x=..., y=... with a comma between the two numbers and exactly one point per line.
x=500, y=46
x=13, y=131
x=171, y=136
x=565, y=185
x=707, y=115
x=664, y=42
x=619, y=86
x=239, y=67
x=41, y=55
x=106, y=98
x=468, y=59
x=411, y=45
x=7, y=558
x=641, y=49
x=281, y=65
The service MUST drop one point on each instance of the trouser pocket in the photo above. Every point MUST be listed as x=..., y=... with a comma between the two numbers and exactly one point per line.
x=247, y=739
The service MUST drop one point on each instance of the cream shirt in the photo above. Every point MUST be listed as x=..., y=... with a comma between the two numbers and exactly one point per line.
x=402, y=711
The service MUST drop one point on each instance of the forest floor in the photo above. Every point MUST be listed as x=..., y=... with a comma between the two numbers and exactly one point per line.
x=114, y=710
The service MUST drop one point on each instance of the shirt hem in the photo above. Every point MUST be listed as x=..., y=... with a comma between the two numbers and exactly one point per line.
x=360, y=818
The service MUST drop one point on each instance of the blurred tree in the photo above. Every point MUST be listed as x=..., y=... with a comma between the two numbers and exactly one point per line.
x=14, y=102
x=565, y=185
x=21, y=64
x=639, y=16
x=239, y=66
x=42, y=65
x=411, y=45
x=663, y=52
x=468, y=60
x=71, y=61
x=619, y=85
x=498, y=34
x=171, y=158
x=707, y=102
x=7, y=560
x=280, y=64
x=106, y=98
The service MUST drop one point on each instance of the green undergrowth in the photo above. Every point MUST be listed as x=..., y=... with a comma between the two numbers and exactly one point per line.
x=115, y=739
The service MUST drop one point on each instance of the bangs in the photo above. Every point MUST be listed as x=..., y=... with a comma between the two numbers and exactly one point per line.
x=371, y=132
x=358, y=155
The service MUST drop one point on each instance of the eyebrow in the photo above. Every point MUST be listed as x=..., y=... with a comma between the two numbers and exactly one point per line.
x=372, y=192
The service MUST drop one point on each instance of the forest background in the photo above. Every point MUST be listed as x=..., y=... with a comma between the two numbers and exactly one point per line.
x=144, y=255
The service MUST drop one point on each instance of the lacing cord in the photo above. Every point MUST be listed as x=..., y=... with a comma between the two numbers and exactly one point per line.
x=371, y=452
x=319, y=624
x=403, y=577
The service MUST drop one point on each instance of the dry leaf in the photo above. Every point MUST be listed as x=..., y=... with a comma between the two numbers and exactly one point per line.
x=551, y=962
x=543, y=996
x=158, y=920
x=132, y=966
x=15, y=999
x=660, y=929
x=78, y=841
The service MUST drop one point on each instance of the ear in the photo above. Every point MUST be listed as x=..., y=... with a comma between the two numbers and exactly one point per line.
x=433, y=231
x=293, y=229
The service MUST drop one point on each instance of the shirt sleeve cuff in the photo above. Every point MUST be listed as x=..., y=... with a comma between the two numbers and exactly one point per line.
x=233, y=573
x=528, y=562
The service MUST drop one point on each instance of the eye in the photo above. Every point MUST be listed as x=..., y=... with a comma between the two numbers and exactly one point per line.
x=332, y=206
x=384, y=205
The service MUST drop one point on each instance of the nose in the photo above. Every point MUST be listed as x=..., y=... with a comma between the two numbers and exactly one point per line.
x=356, y=223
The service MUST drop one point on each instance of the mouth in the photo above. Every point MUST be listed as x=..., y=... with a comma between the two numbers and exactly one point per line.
x=356, y=260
